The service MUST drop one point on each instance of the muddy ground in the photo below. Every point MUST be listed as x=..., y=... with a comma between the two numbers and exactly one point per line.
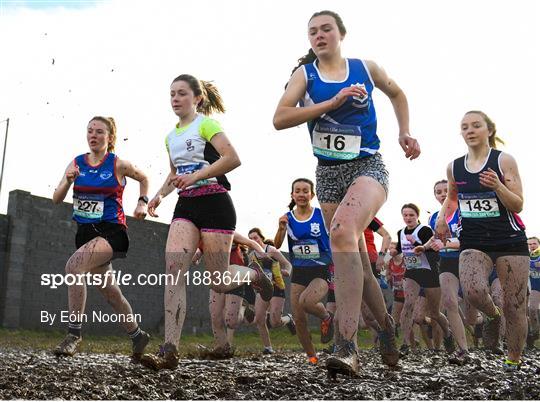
x=426, y=375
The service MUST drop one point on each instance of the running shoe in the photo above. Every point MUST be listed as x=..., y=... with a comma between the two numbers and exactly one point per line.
x=387, y=343
x=449, y=343
x=268, y=350
x=68, y=347
x=166, y=358
x=217, y=353
x=491, y=331
x=459, y=357
x=404, y=350
x=138, y=346
x=291, y=326
x=313, y=360
x=263, y=285
x=510, y=365
x=327, y=329
x=344, y=360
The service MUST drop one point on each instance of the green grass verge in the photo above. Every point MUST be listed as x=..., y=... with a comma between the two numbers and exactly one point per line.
x=246, y=343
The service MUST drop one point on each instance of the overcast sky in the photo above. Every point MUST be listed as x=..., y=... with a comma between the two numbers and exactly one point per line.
x=64, y=62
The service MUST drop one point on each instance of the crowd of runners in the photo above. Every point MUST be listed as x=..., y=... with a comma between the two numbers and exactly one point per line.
x=470, y=270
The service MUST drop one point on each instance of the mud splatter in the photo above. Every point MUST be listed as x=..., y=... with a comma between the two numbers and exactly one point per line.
x=423, y=376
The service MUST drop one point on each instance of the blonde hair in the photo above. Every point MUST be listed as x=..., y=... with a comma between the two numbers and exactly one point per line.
x=111, y=127
x=493, y=138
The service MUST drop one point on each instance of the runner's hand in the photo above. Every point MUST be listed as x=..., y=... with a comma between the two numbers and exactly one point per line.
x=283, y=221
x=344, y=94
x=442, y=231
x=72, y=173
x=153, y=204
x=490, y=179
x=410, y=146
x=437, y=245
x=140, y=211
x=183, y=181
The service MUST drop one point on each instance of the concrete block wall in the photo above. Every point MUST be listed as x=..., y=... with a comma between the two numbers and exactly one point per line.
x=38, y=237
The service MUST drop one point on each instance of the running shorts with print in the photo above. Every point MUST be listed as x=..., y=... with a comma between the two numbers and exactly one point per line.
x=333, y=181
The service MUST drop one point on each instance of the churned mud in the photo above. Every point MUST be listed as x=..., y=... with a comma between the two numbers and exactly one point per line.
x=423, y=375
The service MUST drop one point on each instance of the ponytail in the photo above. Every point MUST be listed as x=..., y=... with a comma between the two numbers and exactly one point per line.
x=308, y=58
x=211, y=101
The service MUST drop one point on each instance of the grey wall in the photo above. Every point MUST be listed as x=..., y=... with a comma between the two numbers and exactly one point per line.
x=38, y=237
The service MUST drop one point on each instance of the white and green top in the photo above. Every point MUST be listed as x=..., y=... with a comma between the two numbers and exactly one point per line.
x=190, y=150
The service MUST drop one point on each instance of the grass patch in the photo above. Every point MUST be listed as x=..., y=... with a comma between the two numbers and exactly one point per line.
x=246, y=343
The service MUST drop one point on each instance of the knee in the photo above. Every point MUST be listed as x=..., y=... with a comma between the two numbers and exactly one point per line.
x=303, y=303
x=260, y=320
x=112, y=296
x=73, y=267
x=343, y=236
x=232, y=323
x=275, y=320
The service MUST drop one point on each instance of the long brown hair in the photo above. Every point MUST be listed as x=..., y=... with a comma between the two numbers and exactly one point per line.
x=211, y=101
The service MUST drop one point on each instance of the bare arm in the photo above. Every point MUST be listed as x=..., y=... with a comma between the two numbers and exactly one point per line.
x=387, y=239
x=163, y=192
x=127, y=169
x=284, y=264
x=241, y=239
x=401, y=107
x=70, y=174
x=510, y=192
x=442, y=231
x=281, y=232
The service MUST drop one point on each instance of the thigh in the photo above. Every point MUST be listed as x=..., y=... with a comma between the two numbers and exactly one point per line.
x=315, y=291
x=363, y=199
x=182, y=242
x=411, y=288
x=449, y=287
x=513, y=272
x=474, y=269
x=433, y=300
x=91, y=255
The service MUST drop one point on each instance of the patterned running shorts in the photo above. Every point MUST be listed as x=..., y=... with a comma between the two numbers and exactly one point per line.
x=334, y=181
